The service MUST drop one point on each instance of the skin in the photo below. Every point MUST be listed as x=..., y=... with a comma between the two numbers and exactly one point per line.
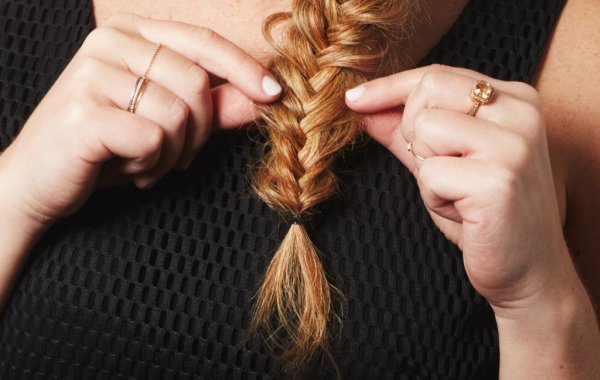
x=169, y=127
x=475, y=178
x=545, y=318
x=569, y=63
x=225, y=18
x=569, y=101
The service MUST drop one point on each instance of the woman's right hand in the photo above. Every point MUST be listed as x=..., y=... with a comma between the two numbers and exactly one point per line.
x=81, y=136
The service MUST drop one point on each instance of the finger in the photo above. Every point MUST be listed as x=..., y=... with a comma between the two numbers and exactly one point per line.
x=174, y=130
x=438, y=203
x=459, y=181
x=437, y=172
x=383, y=93
x=384, y=127
x=209, y=50
x=113, y=133
x=156, y=104
x=440, y=132
x=172, y=71
x=444, y=90
x=172, y=114
x=189, y=83
x=232, y=108
x=394, y=90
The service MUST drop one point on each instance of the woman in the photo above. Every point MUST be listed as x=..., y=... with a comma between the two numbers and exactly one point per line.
x=161, y=284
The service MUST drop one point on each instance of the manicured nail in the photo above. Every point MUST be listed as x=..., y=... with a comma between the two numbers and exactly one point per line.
x=355, y=93
x=270, y=86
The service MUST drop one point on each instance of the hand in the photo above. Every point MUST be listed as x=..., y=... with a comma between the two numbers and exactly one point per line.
x=486, y=180
x=81, y=136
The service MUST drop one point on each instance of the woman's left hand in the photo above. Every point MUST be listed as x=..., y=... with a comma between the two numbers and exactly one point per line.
x=486, y=180
x=487, y=183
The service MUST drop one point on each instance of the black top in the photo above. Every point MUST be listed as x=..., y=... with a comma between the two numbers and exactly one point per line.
x=158, y=284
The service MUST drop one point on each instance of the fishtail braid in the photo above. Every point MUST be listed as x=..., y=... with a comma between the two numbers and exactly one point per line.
x=327, y=47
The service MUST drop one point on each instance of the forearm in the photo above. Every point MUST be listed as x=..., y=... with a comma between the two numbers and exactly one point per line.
x=557, y=337
x=18, y=234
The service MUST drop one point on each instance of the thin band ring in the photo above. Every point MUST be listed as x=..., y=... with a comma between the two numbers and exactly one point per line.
x=141, y=84
x=411, y=149
x=481, y=93
x=136, y=95
x=154, y=53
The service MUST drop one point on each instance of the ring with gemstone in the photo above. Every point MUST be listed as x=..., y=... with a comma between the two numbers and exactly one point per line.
x=481, y=93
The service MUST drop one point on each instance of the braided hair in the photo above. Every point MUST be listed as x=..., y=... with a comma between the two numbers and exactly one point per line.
x=327, y=47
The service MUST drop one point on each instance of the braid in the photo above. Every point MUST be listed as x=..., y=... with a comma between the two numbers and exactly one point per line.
x=328, y=47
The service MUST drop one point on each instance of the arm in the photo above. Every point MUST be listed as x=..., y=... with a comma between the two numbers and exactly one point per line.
x=18, y=234
x=567, y=344
x=488, y=185
x=85, y=120
x=556, y=336
x=568, y=84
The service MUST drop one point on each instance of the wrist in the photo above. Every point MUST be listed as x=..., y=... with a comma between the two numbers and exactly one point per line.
x=15, y=216
x=552, y=335
x=18, y=234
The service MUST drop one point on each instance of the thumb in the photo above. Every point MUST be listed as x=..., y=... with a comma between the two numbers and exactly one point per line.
x=384, y=127
x=231, y=108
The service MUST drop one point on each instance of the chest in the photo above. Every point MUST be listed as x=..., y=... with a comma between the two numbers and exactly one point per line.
x=237, y=20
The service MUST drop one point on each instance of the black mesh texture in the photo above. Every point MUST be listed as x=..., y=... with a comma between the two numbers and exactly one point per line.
x=158, y=284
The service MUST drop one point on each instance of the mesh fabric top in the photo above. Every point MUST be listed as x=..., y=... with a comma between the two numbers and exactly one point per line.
x=158, y=284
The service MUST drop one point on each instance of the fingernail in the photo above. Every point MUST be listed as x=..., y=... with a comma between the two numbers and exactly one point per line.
x=355, y=93
x=270, y=86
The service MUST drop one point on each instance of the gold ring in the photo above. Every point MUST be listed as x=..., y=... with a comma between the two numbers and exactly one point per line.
x=141, y=83
x=156, y=49
x=411, y=149
x=481, y=93
x=136, y=95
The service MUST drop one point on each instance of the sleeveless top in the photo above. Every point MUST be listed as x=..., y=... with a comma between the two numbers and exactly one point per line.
x=158, y=284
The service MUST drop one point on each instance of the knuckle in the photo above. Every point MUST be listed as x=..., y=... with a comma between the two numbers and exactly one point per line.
x=198, y=80
x=246, y=62
x=439, y=67
x=426, y=175
x=86, y=71
x=178, y=112
x=503, y=183
x=527, y=91
x=432, y=80
x=101, y=36
x=139, y=165
x=204, y=36
x=422, y=119
x=533, y=121
x=88, y=139
x=79, y=112
x=529, y=111
x=519, y=149
x=155, y=142
x=121, y=18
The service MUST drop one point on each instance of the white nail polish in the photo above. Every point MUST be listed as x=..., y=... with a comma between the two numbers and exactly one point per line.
x=355, y=93
x=270, y=86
